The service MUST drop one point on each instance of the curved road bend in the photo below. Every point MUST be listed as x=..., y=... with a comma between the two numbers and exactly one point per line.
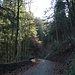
x=44, y=68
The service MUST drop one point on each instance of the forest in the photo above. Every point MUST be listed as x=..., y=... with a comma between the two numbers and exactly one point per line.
x=23, y=36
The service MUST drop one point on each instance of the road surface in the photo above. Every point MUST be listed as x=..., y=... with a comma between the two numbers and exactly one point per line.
x=44, y=68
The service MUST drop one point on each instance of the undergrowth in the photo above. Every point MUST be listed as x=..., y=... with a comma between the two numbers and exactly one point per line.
x=69, y=68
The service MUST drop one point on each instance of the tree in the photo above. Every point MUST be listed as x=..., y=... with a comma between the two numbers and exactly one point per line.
x=16, y=31
x=71, y=16
x=39, y=24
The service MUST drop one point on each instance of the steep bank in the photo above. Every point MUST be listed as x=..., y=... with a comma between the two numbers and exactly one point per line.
x=14, y=67
x=67, y=66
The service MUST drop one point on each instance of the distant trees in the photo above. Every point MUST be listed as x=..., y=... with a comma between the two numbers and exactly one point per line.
x=39, y=24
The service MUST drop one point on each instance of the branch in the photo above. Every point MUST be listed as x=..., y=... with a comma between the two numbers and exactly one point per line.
x=7, y=9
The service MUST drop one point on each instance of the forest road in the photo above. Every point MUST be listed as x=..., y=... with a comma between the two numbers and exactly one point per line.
x=44, y=68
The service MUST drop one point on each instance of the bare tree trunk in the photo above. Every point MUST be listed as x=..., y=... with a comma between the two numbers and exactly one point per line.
x=16, y=42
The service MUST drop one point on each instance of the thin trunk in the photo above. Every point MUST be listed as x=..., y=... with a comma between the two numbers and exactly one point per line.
x=70, y=14
x=57, y=38
x=73, y=7
x=16, y=42
x=7, y=50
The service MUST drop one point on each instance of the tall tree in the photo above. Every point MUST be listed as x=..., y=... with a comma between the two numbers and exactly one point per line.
x=16, y=42
x=39, y=24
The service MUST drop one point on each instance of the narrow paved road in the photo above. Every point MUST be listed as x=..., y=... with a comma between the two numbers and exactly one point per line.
x=43, y=68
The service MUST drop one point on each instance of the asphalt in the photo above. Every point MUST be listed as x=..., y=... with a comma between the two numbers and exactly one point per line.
x=44, y=68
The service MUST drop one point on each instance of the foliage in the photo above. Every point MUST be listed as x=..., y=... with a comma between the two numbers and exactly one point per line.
x=60, y=28
x=60, y=33
x=39, y=24
x=70, y=69
x=17, y=29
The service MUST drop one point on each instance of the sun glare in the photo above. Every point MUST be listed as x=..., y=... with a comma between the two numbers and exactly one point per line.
x=39, y=6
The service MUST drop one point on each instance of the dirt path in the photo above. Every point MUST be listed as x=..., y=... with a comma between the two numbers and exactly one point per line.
x=44, y=68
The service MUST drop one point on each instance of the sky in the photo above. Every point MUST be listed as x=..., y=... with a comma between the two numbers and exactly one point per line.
x=39, y=6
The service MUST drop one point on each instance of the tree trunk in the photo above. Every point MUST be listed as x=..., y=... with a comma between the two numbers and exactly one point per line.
x=16, y=42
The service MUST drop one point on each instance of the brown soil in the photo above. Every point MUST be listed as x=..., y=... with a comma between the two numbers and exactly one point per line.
x=14, y=68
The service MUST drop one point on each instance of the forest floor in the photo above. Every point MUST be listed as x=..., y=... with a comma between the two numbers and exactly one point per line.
x=67, y=64
x=41, y=67
x=15, y=68
x=45, y=67
x=23, y=67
